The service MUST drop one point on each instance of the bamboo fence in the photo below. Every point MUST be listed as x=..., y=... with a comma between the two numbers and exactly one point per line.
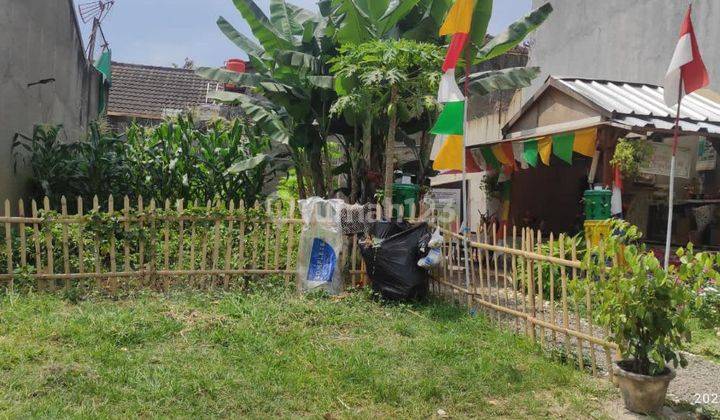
x=531, y=284
x=142, y=244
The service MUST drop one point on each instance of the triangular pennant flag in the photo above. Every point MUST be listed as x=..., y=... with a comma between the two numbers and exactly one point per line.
x=562, y=146
x=545, y=149
x=454, y=51
x=437, y=145
x=500, y=155
x=470, y=165
x=510, y=153
x=459, y=18
x=451, y=119
x=530, y=152
x=490, y=161
x=585, y=142
x=450, y=155
x=449, y=91
x=478, y=158
x=518, y=154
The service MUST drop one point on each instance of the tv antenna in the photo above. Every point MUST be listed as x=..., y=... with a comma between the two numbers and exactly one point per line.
x=95, y=12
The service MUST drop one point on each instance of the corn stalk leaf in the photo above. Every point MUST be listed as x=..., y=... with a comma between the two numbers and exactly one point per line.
x=515, y=33
x=485, y=82
x=248, y=164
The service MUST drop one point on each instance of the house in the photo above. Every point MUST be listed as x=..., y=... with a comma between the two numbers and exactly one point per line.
x=574, y=125
x=148, y=94
x=45, y=78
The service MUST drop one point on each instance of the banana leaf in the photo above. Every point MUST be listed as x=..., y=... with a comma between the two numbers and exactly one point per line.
x=395, y=12
x=248, y=164
x=227, y=76
x=514, y=34
x=300, y=61
x=485, y=82
x=281, y=18
x=261, y=26
x=481, y=19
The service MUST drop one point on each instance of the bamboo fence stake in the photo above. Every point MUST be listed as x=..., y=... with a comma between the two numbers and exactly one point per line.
x=113, y=265
x=228, y=244
x=81, y=237
x=523, y=280
x=66, y=251
x=541, y=299
x=588, y=303
x=181, y=234
x=255, y=237
x=8, y=246
x=504, y=264
x=551, y=252
x=142, y=239
x=266, y=223
x=49, y=245
x=36, y=239
x=290, y=245
x=241, y=250
x=531, y=282
x=216, y=243
x=278, y=237
x=126, y=228
x=152, y=243
x=581, y=363
x=480, y=270
x=203, y=245
x=193, y=240
x=96, y=238
x=353, y=260
x=166, y=246
x=495, y=265
x=515, y=284
x=23, y=238
x=488, y=269
x=563, y=279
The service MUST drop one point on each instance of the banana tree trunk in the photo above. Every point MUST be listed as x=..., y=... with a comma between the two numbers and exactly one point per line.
x=317, y=170
x=390, y=153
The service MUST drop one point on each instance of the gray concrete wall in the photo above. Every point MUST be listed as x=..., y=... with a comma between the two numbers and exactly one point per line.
x=40, y=39
x=628, y=40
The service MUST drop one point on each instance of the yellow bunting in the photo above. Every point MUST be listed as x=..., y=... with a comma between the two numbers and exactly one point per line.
x=500, y=155
x=585, y=141
x=450, y=155
x=459, y=19
x=545, y=149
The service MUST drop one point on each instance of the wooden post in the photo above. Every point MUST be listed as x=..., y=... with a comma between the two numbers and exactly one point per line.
x=8, y=246
x=49, y=245
x=66, y=251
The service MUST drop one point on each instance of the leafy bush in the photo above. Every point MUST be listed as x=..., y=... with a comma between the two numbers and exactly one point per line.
x=645, y=307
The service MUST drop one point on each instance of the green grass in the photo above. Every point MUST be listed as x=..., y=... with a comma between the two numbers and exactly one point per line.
x=705, y=341
x=270, y=353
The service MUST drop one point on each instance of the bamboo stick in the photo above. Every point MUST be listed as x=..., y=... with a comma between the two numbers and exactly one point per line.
x=23, y=237
x=66, y=251
x=36, y=240
x=552, y=288
x=504, y=264
x=588, y=303
x=81, y=238
x=181, y=234
x=515, y=283
x=255, y=236
x=266, y=223
x=241, y=246
x=581, y=363
x=228, y=245
x=113, y=266
x=480, y=271
x=531, y=281
x=49, y=244
x=193, y=240
x=8, y=247
x=166, y=246
x=216, y=243
x=142, y=240
x=278, y=237
x=563, y=279
x=126, y=228
x=96, y=238
x=541, y=299
x=203, y=243
x=496, y=272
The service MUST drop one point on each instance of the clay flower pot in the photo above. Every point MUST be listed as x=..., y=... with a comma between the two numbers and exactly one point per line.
x=641, y=393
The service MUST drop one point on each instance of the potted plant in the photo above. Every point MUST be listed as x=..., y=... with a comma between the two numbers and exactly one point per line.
x=646, y=310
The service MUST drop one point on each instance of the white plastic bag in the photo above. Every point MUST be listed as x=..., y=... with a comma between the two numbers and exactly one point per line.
x=436, y=240
x=321, y=243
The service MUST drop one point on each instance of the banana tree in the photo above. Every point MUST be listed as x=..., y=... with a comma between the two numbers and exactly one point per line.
x=291, y=91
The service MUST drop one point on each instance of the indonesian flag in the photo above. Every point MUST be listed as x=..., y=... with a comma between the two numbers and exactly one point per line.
x=686, y=65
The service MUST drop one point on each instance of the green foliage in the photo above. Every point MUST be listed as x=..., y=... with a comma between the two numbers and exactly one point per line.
x=646, y=309
x=270, y=353
x=552, y=273
x=228, y=160
x=631, y=155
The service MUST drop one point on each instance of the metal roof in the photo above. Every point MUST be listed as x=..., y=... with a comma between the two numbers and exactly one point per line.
x=642, y=99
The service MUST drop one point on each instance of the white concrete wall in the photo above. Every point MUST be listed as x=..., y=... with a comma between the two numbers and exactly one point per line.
x=627, y=40
x=39, y=39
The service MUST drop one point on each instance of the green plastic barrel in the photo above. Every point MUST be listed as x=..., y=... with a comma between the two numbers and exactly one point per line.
x=406, y=195
x=597, y=204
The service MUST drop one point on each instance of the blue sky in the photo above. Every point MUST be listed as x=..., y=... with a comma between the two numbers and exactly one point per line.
x=161, y=32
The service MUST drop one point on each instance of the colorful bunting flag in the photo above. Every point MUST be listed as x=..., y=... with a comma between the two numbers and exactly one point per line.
x=544, y=146
x=450, y=155
x=457, y=44
x=489, y=157
x=585, y=142
x=449, y=91
x=459, y=18
x=451, y=119
x=562, y=146
x=518, y=154
x=531, y=152
x=500, y=155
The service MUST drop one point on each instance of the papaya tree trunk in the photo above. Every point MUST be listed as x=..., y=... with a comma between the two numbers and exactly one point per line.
x=390, y=153
x=366, y=155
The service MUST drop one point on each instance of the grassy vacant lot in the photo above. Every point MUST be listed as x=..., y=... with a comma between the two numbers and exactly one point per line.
x=705, y=342
x=270, y=353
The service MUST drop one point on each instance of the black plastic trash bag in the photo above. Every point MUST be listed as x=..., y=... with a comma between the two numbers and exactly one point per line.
x=391, y=255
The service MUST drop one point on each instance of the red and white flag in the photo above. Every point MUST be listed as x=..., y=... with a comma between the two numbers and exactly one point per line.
x=686, y=65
